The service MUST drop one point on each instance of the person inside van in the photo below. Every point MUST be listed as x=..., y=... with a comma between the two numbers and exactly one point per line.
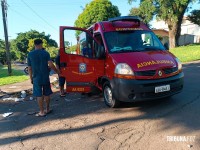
x=86, y=51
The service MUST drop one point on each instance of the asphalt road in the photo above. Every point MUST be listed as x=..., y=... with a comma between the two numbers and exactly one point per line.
x=85, y=123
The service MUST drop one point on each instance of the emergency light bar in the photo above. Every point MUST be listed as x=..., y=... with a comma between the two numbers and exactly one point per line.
x=133, y=19
x=125, y=18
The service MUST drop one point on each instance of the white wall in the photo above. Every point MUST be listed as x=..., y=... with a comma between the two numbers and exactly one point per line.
x=190, y=32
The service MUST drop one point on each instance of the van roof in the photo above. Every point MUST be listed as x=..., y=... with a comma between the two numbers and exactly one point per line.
x=120, y=24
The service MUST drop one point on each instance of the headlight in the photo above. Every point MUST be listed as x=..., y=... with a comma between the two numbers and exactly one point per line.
x=179, y=64
x=123, y=69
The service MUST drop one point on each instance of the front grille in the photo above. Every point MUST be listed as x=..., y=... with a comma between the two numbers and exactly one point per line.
x=145, y=73
x=170, y=70
x=176, y=81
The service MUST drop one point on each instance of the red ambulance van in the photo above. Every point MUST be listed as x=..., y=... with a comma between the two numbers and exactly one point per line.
x=123, y=58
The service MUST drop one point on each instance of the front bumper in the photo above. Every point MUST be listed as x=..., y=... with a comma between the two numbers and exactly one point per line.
x=139, y=90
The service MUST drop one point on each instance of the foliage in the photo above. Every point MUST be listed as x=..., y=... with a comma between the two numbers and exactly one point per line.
x=2, y=44
x=3, y=56
x=145, y=12
x=22, y=42
x=159, y=37
x=187, y=53
x=3, y=53
x=53, y=51
x=71, y=49
x=31, y=44
x=97, y=10
x=17, y=76
x=171, y=11
x=195, y=17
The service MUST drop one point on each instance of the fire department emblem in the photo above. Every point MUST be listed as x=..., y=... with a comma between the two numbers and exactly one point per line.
x=82, y=68
x=160, y=73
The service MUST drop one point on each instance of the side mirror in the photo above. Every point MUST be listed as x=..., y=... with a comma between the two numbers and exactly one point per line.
x=100, y=52
x=166, y=45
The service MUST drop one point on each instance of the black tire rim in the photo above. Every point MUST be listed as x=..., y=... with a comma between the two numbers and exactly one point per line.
x=108, y=95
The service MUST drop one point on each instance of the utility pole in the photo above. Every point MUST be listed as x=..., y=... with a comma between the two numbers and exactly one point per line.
x=4, y=14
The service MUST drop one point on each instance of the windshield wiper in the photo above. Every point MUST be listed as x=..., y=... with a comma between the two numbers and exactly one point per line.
x=124, y=49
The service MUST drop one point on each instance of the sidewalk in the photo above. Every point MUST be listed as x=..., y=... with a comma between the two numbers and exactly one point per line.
x=21, y=86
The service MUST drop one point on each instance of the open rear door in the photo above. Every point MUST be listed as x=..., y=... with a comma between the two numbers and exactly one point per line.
x=78, y=59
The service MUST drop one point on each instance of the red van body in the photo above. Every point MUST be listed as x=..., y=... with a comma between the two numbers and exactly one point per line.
x=127, y=63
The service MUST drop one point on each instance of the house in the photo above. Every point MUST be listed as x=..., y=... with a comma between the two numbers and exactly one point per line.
x=190, y=32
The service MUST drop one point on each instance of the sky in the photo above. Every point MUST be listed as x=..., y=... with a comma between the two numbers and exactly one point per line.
x=47, y=15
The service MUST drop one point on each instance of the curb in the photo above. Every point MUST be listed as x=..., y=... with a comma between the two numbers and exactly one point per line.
x=191, y=62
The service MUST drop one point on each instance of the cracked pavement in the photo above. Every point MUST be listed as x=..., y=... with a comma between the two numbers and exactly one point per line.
x=85, y=123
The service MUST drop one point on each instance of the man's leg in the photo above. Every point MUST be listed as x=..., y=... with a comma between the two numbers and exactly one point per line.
x=62, y=90
x=47, y=92
x=37, y=91
x=61, y=85
x=47, y=100
x=41, y=105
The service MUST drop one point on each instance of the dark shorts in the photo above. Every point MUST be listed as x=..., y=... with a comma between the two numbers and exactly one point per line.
x=40, y=90
x=61, y=81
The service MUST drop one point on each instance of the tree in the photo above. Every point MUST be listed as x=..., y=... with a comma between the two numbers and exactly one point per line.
x=141, y=12
x=21, y=43
x=97, y=10
x=53, y=51
x=2, y=45
x=195, y=17
x=3, y=52
x=31, y=44
x=171, y=11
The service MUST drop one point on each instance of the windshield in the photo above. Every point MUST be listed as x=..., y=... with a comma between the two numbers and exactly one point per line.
x=132, y=41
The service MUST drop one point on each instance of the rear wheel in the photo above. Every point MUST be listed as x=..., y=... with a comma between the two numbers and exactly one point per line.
x=108, y=96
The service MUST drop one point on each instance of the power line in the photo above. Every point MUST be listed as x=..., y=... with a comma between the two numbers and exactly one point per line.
x=21, y=15
x=38, y=15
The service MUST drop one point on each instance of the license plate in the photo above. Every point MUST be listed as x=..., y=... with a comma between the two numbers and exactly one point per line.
x=163, y=88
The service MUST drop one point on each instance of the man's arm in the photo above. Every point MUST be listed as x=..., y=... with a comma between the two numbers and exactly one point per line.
x=30, y=73
x=57, y=67
x=30, y=69
x=52, y=66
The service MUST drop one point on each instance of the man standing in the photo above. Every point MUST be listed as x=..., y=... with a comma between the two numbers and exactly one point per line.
x=61, y=78
x=38, y=63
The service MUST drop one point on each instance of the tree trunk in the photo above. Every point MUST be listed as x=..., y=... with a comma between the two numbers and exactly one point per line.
x=175, y=26
x=174, y=33
x=172, y=40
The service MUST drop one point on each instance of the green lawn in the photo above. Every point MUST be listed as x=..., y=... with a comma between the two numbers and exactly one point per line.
x=17, y=76
x=187, y=53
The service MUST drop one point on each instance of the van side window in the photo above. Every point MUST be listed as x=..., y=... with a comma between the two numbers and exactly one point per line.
x=97, y=45
x=78, y=43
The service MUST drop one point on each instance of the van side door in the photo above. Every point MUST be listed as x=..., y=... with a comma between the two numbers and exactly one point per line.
x=78, y=59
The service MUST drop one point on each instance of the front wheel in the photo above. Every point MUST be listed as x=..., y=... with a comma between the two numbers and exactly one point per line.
x=108, y=96
x=26, y=70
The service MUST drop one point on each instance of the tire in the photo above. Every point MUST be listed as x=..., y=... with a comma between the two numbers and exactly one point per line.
x=26, y=70
x=109, y=99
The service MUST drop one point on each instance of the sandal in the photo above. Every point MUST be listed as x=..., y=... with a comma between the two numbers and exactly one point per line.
x=62, y=95
x=39, y=115
x=50, y=111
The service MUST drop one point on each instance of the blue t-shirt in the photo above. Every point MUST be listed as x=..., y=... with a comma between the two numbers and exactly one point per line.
x=87, y=52
x=38, y=61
